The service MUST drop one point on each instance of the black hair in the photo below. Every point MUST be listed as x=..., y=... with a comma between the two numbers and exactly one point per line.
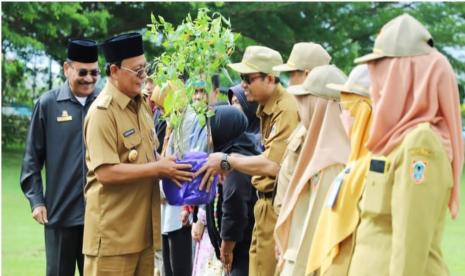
x=107, y=67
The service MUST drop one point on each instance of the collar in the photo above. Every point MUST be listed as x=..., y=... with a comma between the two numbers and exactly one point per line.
x=269, y=107
x=119, y=97
x=65, y=93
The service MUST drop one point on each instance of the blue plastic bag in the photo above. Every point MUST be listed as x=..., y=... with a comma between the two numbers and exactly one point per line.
x=189, y=193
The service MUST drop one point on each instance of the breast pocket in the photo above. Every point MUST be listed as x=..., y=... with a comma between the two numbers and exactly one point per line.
x=294, y=145
x=132, y=148
x=293, y=150
x=377, y=195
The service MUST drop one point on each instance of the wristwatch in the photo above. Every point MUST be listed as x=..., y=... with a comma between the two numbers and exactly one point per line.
x=224, y=164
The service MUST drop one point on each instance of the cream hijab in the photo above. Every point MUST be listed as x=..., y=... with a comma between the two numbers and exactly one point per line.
x=326, y=144
x=337, y=223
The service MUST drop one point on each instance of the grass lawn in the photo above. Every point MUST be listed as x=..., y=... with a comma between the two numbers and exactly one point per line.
x=23, y=239
x=23, y=251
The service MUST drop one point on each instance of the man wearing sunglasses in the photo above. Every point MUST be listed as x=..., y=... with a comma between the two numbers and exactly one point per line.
x=278, y=114
x=55, y=140
x=122, y=215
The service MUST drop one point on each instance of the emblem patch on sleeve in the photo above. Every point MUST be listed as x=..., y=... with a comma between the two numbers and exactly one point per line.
x=418, y=170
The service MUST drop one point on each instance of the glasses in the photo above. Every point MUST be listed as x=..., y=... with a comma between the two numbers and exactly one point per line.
x=250, y=78
x=141, y=72
x=84, y=72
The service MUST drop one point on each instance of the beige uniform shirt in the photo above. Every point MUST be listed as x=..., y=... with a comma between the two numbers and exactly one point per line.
x=305, y=218
x=403, y=209
x=278, y=119
x=118, y=218
x=294, y=145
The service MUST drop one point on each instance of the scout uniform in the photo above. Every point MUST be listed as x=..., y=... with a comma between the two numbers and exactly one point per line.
x=417, y=158
x=390, y=239
x=294, y=145
x=332, y=250
x=120, y=129
x=55, y=139
x=304, y=56
x=278, y=118
x=324, y=155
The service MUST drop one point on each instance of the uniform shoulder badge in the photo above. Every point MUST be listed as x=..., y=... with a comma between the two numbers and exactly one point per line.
x=103, y=101
x=418, y=171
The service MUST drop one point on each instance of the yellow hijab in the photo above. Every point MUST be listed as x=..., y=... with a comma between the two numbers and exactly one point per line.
x=337, y=223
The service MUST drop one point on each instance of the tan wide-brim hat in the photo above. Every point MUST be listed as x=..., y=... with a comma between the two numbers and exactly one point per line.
x=358, y=82
x=403, y=36
x=316, y=82
x=305, y=56
x=159, y=94
x=258, y=59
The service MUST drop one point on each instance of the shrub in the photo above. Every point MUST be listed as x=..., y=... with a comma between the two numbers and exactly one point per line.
x=14, y=130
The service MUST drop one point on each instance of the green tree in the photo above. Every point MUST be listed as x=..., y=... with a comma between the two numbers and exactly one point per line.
x=32, y=29
x=49, y=26
x=201, y=47
x=346, y=30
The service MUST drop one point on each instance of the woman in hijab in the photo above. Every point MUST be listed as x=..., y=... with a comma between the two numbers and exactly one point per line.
x=238, y=99
x=324, y=154
x=417, y=148
x=331, y=250
x=230, y=218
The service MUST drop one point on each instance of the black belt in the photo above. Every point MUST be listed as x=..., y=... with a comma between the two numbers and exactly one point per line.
x=264, y=195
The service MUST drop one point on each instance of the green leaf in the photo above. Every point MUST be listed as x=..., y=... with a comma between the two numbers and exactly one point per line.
x=210, y=113
x=226, y=73
x=202, y=120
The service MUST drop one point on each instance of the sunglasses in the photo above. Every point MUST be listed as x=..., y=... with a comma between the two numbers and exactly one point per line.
x=140, y=72
x=247, y=78
x=84, y=72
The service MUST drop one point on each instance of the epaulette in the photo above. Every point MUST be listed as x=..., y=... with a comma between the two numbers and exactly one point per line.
x=104, y=101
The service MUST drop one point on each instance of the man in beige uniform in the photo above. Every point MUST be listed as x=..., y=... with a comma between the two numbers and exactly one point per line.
x=122, y=215
x=304, y=57
x=278, y=114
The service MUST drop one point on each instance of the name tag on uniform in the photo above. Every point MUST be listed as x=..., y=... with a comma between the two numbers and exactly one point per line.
x=336, y=187
x=64, y=117
x=378, y=165
x=129, y=132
